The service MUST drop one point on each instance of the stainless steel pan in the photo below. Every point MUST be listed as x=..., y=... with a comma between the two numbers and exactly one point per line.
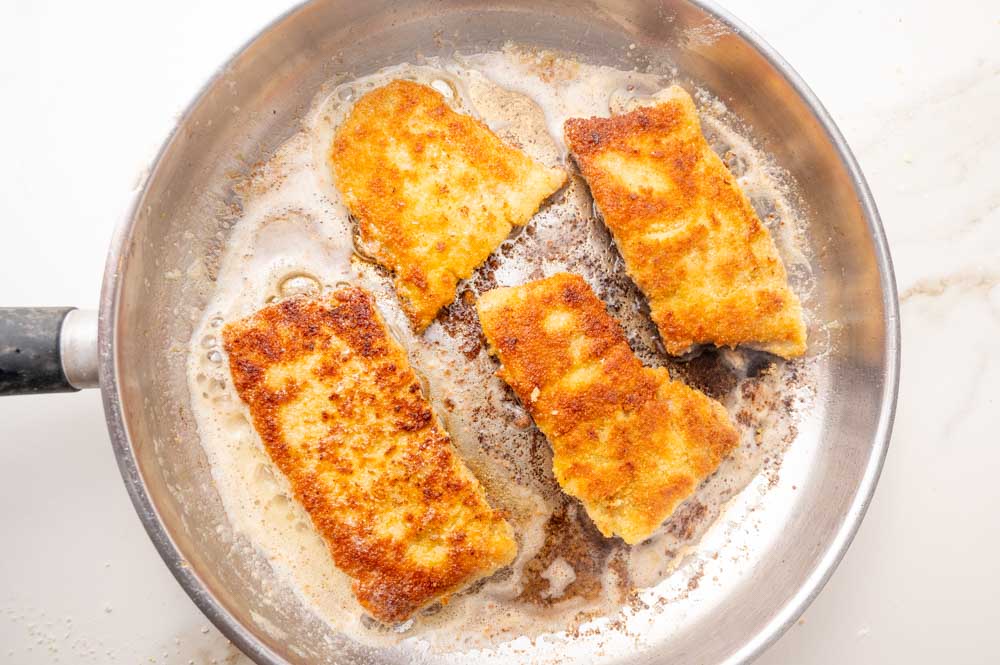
x=146, y=317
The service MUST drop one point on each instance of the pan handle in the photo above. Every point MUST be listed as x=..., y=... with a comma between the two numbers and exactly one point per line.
x=47, y=350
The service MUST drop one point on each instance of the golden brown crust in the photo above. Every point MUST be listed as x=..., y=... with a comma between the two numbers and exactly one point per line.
x=628, y=442
x=689, y=236
x=342, y=415
x=434, y=191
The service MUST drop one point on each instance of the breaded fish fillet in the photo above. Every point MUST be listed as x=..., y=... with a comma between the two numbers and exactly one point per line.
x=690, y=238
x=434, y=191
x=342, y=415
x=628, y=442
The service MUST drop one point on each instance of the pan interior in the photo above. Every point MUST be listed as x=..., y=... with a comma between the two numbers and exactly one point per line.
x=173, y=248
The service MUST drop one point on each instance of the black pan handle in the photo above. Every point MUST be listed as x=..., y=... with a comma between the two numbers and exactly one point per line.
x=47, y=350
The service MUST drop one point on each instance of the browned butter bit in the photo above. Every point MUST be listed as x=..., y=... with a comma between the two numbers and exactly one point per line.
x=627, y=441
x=343, y=416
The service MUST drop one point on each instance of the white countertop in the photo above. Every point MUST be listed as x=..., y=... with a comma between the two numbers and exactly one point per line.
x=88, y=93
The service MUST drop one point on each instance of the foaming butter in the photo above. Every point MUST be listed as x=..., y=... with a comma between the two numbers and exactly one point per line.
x=294, y=235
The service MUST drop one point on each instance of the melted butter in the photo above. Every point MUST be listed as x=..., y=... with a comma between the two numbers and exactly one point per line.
x=295, y=235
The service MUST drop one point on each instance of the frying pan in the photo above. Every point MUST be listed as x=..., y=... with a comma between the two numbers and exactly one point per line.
x=135, y=348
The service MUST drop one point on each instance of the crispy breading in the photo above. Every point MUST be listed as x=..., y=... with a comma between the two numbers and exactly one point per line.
x=690, y=238
x=434, y=191
x=342, y=415
x=628, y=442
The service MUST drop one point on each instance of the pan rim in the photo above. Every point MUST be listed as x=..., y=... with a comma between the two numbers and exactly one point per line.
x=783, y=618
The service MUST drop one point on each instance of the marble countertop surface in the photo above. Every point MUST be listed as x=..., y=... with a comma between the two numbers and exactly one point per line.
x=90, y=90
